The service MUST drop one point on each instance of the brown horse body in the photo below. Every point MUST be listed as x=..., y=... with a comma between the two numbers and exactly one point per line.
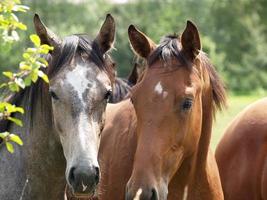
x=156, y=145
x=242, y=152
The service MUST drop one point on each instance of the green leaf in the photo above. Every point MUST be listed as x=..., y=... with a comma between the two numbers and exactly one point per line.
x=3, y=85
x=13, y=87
x=4, y=135
x=15, y=35
x=31, y=50
x=28, y=81
x=24, y=66
x=43, y=76
x=16, y=139
x=42, y=60
x=46, y=48
x=12, y=108
x=34, y=77
x=35, y=39
x=20, y=8
x=15, y=120
x=20, y=82
x=10, y=147
x=8, y=74
x=27, y=56
x=19, y=109
x=2, y=106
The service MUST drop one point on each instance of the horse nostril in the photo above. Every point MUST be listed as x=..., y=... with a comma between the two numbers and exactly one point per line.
x=96, y=174
x=71, y=175
x=154, y=194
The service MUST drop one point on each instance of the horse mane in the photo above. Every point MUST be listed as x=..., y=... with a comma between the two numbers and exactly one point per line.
x=217, y=85
x=170, y=47
x=82, y=43
x=70, y=46
x=120, y=90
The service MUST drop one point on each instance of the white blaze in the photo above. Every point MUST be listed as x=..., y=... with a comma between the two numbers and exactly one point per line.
x=159, y=90
x=78, y=80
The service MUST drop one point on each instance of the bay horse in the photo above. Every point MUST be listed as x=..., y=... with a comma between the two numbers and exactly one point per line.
x=155, y=145
x=242, y=154
x=63, y=121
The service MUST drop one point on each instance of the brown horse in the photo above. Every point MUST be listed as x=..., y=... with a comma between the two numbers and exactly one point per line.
x=156, y=144
x=242, y=155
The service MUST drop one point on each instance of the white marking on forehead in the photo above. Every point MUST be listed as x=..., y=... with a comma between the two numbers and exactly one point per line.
x=78, y=80
x=159, y=90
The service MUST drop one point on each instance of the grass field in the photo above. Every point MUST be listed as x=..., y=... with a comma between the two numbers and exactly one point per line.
x=235, y=105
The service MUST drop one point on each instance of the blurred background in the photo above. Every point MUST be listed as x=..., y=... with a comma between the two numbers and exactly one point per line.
x=233, y=34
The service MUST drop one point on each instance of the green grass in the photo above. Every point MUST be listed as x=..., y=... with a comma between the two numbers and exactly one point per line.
x=223, y=119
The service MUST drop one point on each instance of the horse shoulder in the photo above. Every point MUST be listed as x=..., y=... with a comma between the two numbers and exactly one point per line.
x=241, y=151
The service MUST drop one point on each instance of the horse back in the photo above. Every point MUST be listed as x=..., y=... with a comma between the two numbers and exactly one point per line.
x=242, y=152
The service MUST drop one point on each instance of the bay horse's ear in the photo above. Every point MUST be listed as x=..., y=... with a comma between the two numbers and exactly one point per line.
x=46, y=36
x=141, y=44
x=106, y=35
x=190, y=40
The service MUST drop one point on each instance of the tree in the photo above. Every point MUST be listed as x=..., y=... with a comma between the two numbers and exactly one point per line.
x=30, y=68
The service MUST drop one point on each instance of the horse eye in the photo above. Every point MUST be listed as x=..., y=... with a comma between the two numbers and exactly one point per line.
x=53, y=95
x=108, y=94
x=187, y=104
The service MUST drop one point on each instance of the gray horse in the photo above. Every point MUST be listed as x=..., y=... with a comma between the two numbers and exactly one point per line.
x=63, y=121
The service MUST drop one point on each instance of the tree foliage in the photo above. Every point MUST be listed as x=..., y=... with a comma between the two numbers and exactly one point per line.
x=30, y=68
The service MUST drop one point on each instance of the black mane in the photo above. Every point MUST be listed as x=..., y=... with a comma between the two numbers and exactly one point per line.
x=80, y=43
x=168, y=48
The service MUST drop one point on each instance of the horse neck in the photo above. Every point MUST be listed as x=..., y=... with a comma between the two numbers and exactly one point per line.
x=191, y=172
x=204, y=181
x=44, y=160
x=206, y=129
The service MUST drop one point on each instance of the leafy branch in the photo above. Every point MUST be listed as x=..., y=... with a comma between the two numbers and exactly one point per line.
x=30, y=68
x=9, y=22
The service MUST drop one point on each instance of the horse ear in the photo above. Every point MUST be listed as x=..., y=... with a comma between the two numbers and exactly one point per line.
x=106, y=35
x=46, y=36
x=190, y=40
x=141, y=44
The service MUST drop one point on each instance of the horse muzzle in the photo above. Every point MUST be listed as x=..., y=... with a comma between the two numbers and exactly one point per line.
x=147, y=193
x=83, y=180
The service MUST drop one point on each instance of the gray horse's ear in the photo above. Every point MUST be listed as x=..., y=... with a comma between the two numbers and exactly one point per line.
x=141, y=44
x=190, y=40
x=46, y=36
x=106, y=35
